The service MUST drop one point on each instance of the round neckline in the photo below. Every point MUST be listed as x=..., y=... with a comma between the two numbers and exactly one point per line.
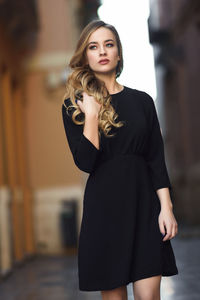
x=118, y=92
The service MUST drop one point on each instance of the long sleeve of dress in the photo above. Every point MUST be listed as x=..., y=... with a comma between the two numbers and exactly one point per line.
x=155, y=155
x=83, y=150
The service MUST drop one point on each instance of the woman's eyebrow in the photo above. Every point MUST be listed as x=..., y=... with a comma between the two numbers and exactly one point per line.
x=104, y=41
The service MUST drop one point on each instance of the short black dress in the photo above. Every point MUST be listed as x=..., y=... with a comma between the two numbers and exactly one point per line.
x=120, y=240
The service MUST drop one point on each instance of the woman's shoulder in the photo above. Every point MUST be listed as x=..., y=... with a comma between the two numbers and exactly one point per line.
x=67, y=105
x=66, y=102
x=67, y=109
x=141, y=95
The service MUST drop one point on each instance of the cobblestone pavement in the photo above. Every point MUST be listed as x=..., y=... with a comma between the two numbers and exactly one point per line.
x=56, y=278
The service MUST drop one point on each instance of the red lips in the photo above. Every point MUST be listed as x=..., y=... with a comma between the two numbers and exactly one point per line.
x=104, y=61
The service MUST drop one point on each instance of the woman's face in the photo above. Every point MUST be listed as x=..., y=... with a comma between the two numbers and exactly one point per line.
x=101, y=46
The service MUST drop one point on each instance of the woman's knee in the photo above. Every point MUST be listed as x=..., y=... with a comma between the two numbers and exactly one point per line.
x=147, y=289
x=147, y=295
x=119, y=293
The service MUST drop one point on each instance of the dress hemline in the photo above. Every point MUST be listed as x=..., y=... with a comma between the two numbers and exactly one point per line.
x=122, y=283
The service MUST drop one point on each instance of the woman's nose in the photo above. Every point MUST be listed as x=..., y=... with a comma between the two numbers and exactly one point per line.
x=102, y=50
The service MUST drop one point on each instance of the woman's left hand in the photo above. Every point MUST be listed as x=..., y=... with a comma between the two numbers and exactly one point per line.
x=167, y=221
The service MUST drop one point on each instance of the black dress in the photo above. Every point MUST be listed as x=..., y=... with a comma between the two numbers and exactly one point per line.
x=120, y=240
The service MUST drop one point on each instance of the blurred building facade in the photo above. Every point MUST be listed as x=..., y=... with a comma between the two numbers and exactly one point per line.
x=17, y=37
x=36, y=168
x=174, y=30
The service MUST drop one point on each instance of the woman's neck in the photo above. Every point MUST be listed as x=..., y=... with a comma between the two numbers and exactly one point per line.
x=112, y=85
x=114, y=88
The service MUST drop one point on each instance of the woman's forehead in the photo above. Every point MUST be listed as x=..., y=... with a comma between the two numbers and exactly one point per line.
x=101, y=35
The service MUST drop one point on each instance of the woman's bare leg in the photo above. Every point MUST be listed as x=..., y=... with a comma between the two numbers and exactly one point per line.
x=119, y=293
x=147, y=288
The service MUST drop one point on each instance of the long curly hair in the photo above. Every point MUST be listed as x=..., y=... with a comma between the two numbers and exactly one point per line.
x=83, y=79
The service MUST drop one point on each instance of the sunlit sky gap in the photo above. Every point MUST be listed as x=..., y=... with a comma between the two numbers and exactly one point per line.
x=130, y=19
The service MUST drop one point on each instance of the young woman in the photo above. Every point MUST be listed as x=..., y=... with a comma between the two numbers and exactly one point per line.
x=114, y=135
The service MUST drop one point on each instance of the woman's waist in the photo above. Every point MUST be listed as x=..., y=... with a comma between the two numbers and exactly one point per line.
x=126, y=156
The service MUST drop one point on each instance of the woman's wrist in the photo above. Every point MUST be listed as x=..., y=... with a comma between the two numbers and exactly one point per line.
x=91, y=115
x=165, y=200
x=166, y=205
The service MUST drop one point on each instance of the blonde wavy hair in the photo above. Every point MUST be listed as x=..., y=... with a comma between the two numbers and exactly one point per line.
x=83, y=79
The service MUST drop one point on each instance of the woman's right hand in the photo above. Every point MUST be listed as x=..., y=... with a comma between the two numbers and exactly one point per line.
x=89, y=105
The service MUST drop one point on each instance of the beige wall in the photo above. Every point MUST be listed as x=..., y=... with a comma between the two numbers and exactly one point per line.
x=49, y=157
x=53, y=174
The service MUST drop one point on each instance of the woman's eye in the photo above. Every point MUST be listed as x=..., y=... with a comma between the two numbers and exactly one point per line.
x=110, y=45
x=92, y=47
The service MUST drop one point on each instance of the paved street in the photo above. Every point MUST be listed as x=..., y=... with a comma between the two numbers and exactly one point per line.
x=55, y=278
